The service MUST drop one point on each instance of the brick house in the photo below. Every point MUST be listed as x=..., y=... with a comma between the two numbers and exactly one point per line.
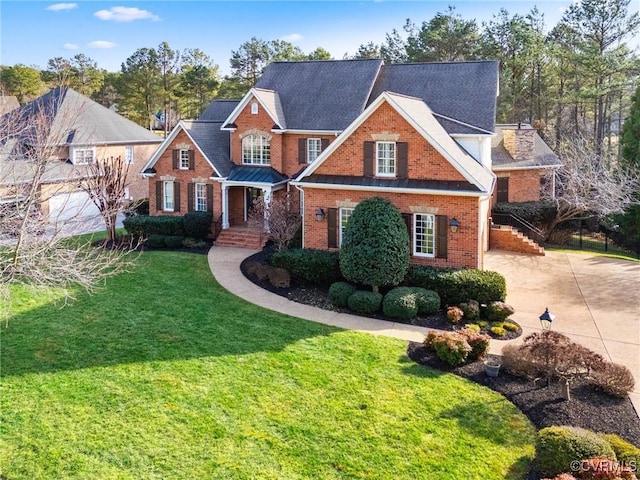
x=332, y=133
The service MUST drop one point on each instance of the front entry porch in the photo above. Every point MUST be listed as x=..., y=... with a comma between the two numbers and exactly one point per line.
x=242, y=236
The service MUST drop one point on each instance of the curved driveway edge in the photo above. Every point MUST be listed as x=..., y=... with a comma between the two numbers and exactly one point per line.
x=596, y=301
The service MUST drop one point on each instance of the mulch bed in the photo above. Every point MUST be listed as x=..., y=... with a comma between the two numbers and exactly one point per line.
x=543, y=404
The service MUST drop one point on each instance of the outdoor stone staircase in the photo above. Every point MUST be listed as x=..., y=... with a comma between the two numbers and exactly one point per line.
x=241, y=237
x=504, y=237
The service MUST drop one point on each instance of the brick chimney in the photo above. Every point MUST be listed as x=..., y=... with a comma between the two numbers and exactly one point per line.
x=519, y=141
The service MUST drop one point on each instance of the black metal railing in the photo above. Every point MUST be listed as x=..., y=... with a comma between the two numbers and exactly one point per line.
x=216, y=228
x=519, y=224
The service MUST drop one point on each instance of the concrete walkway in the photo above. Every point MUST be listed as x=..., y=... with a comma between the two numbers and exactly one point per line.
x=596, y=301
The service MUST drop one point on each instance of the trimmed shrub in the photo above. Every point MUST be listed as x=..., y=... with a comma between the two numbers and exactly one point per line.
x=454, y=314
x=365, y=302
x=458, y=286
x=197, y=224
x=604, y=468
x=451, y=347
x=339, y=293
x=471, y=310
x=498, y=331
x=473, y=326
x=142, y=226
x=626, y=453
x=309, y=265
x=428, y=301
x=429, y=338
x=400, y=303
x=173, y=241
x=375, y=245
x=558, y=446
x=193, y=243
x=539, y=213
x=155, y=241
x=279, y=277
x=499, y=311
x=613, y=378
x=479, y=343
x=510, y=326
x=482, y=323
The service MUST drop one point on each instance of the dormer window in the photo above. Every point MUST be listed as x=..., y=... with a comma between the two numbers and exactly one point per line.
x=256, y=150
x=254, y=108
x=386, y=159
x=83, y=156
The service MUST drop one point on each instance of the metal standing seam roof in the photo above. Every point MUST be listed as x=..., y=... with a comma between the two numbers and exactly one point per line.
x=502, y=159
x=418, y=184
x=250, y=174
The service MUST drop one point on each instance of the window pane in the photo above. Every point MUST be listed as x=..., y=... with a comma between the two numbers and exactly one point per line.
x=386, y=158
x=168, y=196
x=345, y=215
x=314, y=146
x=424, y=235
x=200, y=197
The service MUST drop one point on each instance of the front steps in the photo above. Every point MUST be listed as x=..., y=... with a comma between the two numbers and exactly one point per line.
x=241, y=237
x=504, y=237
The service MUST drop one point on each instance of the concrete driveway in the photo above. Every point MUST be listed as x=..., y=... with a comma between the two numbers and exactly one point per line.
x=596, y=301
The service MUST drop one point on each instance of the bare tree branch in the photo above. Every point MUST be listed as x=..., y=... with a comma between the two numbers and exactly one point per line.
x=277, y=219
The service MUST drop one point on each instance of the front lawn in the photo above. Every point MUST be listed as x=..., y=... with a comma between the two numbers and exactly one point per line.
x=163, y=374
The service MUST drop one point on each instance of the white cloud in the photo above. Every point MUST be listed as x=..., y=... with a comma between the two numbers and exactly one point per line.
x=56, y=7
x=292, y=37
x=101, y=44
x=70, y=46
x=125, y=14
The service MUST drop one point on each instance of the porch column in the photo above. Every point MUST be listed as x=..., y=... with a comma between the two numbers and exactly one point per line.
x=225, y=206
x=266, y=195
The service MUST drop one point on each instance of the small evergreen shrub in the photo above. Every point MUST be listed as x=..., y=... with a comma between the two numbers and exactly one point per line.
x=192, y=243
x=197, y=224
x=604, y=468
x=401, y=303
x=471, y=310
x=428, y=301
x=626, y=453
x=510, y=326
x=142, y=226
x=499, y=311
x=454, y=314
x=479, y=343
x=613, y=378
x=483, y=323
x=339, y=293
x=473, y=326
x=279, y=277
x=558, y=446
x=365, y=302
x=309, y=265
x=173, y=241
x=498, y=331
x=458, y=286
x=451, y=347
x=155, y=241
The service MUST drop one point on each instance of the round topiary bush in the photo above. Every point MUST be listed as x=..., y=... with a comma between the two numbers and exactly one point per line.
x=400, y=303
x=471, y=310
x=428, y=301
x=557, y=447
x=365, y=302
x=625, y=452
x=375, y=245
x=339, y=293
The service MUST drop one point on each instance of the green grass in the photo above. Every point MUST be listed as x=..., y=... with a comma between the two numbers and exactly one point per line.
x=612, y=253
x=162, y=374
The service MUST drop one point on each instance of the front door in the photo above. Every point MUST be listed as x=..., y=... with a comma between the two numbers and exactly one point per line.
x=251, y=196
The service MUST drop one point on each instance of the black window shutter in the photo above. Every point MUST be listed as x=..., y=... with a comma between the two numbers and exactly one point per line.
x=368, y=158
x=442, y=227
x=192, y=160
x=403, y=159
x=190, y=200
x=302, y=150
x=332, y=227
x=209, y=198
x=159, y=202
x=176, y=197
x=324, y=143
x=176, y=158
x=408, y=221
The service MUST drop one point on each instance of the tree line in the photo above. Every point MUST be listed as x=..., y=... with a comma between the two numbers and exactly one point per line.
x=574, y=78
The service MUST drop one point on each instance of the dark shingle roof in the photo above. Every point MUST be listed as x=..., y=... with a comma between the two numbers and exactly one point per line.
x=213, y=142
x=218, y=110
x=463, y=91
x=502, y=159
x=392, y=183
x=243, y=173
x=321, y=95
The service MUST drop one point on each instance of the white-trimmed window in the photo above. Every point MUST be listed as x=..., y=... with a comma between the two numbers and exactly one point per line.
x=424, y=235
x=314, y=147
x=254, y=108
x=167, y=196
x=83, y=156
x=386, y=159
x=183, y=159
x=128, y=155
x=256, y=150
x=345, y=215
x=200, y=197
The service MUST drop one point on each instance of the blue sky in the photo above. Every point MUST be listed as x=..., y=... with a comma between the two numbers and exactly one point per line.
x=32, y=32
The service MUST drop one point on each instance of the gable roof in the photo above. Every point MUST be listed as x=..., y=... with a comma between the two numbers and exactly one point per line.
x=321, y=95
x=269, y=100
x=419, y=115
x=461, y=91
x=544, y=157
x=218, y=110
x=74, y=119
